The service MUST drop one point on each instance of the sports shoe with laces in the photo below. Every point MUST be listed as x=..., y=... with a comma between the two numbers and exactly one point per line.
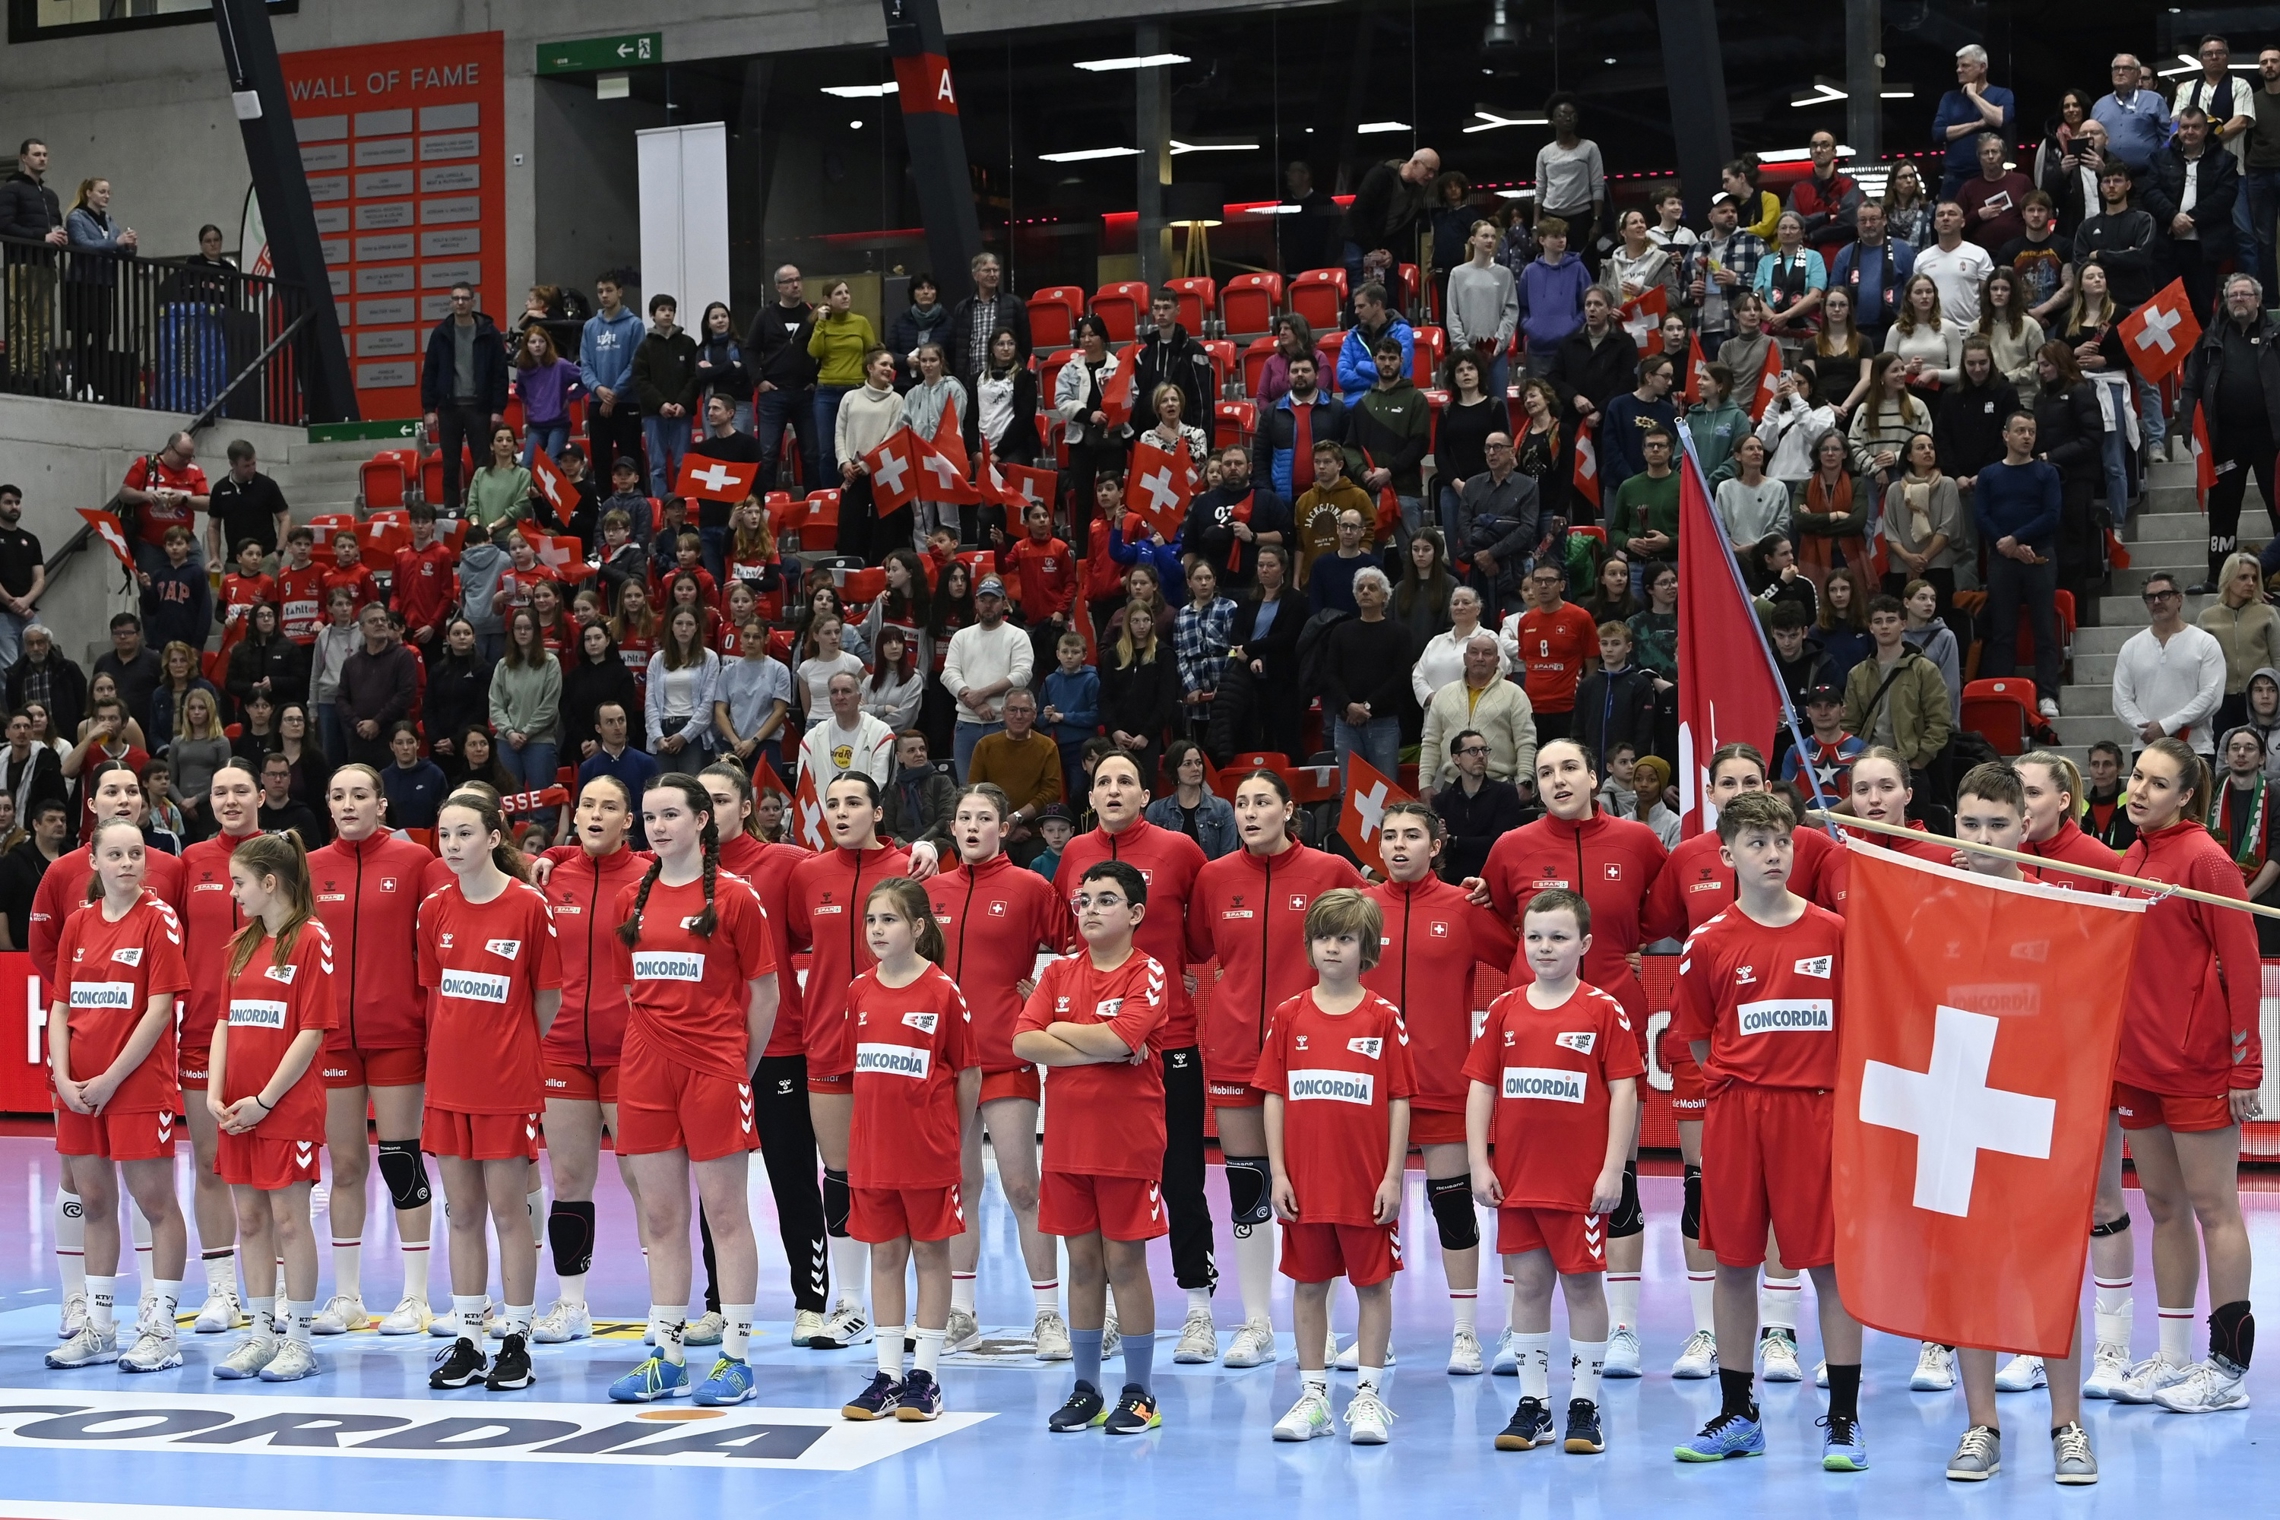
x=2206, y=1388
x=1199, y=1340
x=342, y=1313
x=877, y=1401
x=293, y=1362
x=411, y=1316
x=1085, y=1408
x=155, y=1350
x=247, y=1359
x=1050, y=1335
x=1110, y=1336
x=729, y=1382
x=1935, y=1369
x=1306, y=1419
x=1464, y=1353
x=2149, y=1377
x=656, y=1378
x=1978, y=1456
x=706, y=1329
x=1529, y=1427
x=1777, y=1357
x=2073, y=1463
x=1583, y=1434
x=963, y=1333
x=1727, y=1435
x=510, y=1369
x=89, y=1348
x=1843, y=1449
x=1135, y=1413
x=221, y=1313
x=1622, y=1354
x=847, y=1325
x=807, y=1324
x=921, y=1397
x=461, y=1365
x=1350, y=1359
x=1367, y=1418
x=2109, y=1370
x=73, y=1318
x=562, y=1323
x=1506, y=1362
x=2021, y=1374
x=1252, y=1346
x=1698, y=1358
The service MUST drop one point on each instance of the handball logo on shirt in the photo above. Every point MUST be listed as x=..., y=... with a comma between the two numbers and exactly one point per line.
x=443, y=940
x=1371, y=1047
x=1060, y=1005
x=480, y=986
x=103, y=995
x=668, y=966
x=506, y=948
x=922, y=1022
x=1511, y=1037
x=129, y=955
x=282, y=973
x=1787, y=1016
x=1816, y=965
x=256, y=1013
x=1333, y=1086
x=1578, y=1040
x=1546, y=1082
x=1300, y=1042
x=892, y=1060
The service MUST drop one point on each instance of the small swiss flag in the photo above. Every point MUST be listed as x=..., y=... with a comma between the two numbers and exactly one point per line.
x=1587, y=464
x=1116, y=393
x=1361, y=815
x=561, y=553
x=808, y=827
x=552, y=484
x=1158, y=488
x=106, y=526
x=893, y=468
x=1768, y=386
x=1697, y=370
x=2159, y=334
x=1642, y=318
x=709, y=479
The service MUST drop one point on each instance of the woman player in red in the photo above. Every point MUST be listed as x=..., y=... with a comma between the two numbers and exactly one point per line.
x=487, y=948
x=693, y=952
x=917, y=1078
x=1249, y=910
x=267, y=1097
x=111, y=1055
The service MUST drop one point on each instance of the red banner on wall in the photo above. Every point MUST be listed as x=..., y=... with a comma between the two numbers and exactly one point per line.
x=23, y=1038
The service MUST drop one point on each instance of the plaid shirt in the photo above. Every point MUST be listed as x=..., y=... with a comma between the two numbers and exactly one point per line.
x=1740, y=252
x=1200, y=640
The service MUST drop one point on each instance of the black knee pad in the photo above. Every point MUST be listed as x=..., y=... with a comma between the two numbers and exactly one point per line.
x=2110, y=1227
x=837, y=1201
x=404, y=1173
x=1690, y=1216
x=1451, y=1198
x=1249, y=1198
x=570, y=1230
x=1627, y=1218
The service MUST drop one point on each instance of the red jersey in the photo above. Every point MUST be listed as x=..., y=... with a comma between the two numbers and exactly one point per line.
x=1695, y=885
x=210, y=920
x=688, y=993
x=995, y=917
x=1103, y=576
x=826, y=919
x=1169, y=862
x=269, y=1005
x=1108, y=1117
x=1338, y=1075
x=1551, y=1068
x=113, y=970
x=358, y=580
x=300, y=602
x=515, y=587
x=753, y=571
x=2190, y=1015
x=1434, y=936
x=910, y=1045
x=1553, y=646
x=487, y=963
x=151, y=473
x=1250, y=911
x=635, y=649
x=582, y=893
x=1614, y=863
x=1764, y=999
x=63, y=891
x=1041, y=576
x=239, y=593
x=369, y=895
x=768, y=870
x=425, y=584
x=2072, y=845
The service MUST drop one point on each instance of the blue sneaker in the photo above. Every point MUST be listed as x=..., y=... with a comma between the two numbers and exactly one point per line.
x=729, y=1382
x=878, y=1400
x=921, y=1398
x=1842, y=1449
x=653, y=1380
x=1728, y=1435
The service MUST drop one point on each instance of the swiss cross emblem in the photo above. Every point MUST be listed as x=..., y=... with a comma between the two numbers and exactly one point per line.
x=1437, y=930
x=1298, y=902
x=1613, y=870
x=997, y=910
x=387, y=883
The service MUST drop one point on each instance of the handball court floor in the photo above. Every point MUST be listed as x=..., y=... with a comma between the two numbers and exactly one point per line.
x=367, y=1438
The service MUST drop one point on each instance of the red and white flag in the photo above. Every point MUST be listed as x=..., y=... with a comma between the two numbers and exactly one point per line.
x=107, y=528
x=1361, y=813
x=808, y=827
x=893, y=466
x=1642, y=318
x=1587, y=463
x=2159, y=334
x=709, y=479
x=1116, y=395
x=560, y=494
x=1158, y=488
x=560, y=552
x=942, y=467
x=2204, y=458
x=1726, y=686
x=1768, y=386
x=381, y=538
x=1697, y=370
x=1981, y=1021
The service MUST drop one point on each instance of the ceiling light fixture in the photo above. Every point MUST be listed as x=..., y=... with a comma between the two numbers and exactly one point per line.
x=1280, y=208
x=1489, y=121
x=1797, y=155
x=1369, y=128
x=1082, y=155
x=1179, y=147
x=1143, y=61
x=859, y=91
x=1516, y=195
x=1823, y=93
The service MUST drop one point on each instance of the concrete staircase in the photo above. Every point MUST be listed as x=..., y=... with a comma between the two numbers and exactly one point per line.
x=320, y=477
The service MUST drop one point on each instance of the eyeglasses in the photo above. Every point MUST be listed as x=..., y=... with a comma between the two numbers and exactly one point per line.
x=1474, y=749
x=2162, y=596
x=1083, y=900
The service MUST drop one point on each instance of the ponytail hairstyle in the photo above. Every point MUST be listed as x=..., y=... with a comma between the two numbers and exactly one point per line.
x=700, y=801
x=370, y=774
x=284, y=857
x=2063, y=775
x=2193, y=774
x=910, y=900
x=734, y=775
x=484, y=804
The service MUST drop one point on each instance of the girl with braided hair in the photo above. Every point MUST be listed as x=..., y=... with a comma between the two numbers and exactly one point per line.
x=694, y=953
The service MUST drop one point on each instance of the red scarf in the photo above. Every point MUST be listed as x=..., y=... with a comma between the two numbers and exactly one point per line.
x=1239, y=513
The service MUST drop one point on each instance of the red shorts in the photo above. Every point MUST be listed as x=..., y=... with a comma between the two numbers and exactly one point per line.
x=1765, y=1163
x=196, y=1061
x=1434, y=1126
x=404, y=1066
x=1119, y=1208
x=1577, y=1242
x=1234, y=1095
x=2186, y=1116
x=1688, y=1097
x=267, y=1165
x=115, y=1136
x=1021, y=1082
x=479, y=1137
x=582, y=1084
x=839, y=1084
x=667, y=1107
x=1360, y=1253
x=878, y=1215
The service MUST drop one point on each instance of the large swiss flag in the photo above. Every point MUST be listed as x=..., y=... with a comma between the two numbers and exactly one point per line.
x=2159, y=334
x=1726, y=686
x=893, y=468
x=1642, y=318
x=1158, y=487
x=1981, y=1022
x=1361, y=813
x=709, y=479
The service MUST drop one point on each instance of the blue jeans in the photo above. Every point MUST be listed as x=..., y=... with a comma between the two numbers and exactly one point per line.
x=715, y=541
x=11, y=638
x=687, y=761
x=550, y=436
x=1377, y=741
x=827, y=399
x=2260, y=192
x=533, y=767
x=668, y=441
x=1445, y=487
x=2115, y=450
x=771, y=412
x=963, y=737
x=331, y=737
x=2152, y=426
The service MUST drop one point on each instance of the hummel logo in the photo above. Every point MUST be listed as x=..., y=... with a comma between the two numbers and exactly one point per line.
x=1745, y=976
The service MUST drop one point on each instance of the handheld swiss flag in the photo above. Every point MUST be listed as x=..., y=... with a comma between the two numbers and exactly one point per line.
x=1587, y=463
x=107, y=528
x=808, y=828
x=1981, y=1021
x=1158, y=489
x=1642, y=318
x=893, y=467
x=1116, y=393
x=1361, y=814
x=1726, y=686
x=381, y=538
x=1697, y=370
x=1768, y=386
x=561, y=496
x=560, y=552
x=2204, y=458
x=2159, y=334
x=709, y=479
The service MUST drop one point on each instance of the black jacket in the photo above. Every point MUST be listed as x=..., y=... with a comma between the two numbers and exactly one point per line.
x=776, y=347
x=29, y=210
x=907, y=331
x=721, y=369
x=490, y=367
x=458, y=695
x=1177, y=360
x=283, y=663
x=2213, y=197
x=665, y=371
x=1475, y=823
x=585, y=687
x=1969, y=424
x=1142, y=700
x=958, y=338
x=1278, y=651
x=1615, y=709
x=2204, y=369
x=67, y=693
x=1596, y=374
x=2126, y=244
x=1210, y=531
x=1384, y=208
x=2070, y=431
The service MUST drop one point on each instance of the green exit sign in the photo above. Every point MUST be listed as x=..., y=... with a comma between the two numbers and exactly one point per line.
x=587, y=54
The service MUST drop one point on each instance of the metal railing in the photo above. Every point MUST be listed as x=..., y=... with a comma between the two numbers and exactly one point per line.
x=167, y=335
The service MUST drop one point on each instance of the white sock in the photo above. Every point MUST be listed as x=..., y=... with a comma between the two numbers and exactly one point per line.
x=348, y=1268
x=1047, y=1296
x=1701, y=1287
x=666, y=1322
x=1255, y=1272
x=264, y=1313
x=299, y=1315
x=1317, y=1381
x=68, y=1223
x=221, y=1273
x=141, y=1228
x=850, y=1268
x=929, y=1355
x=2114, y=1312
x=736, y=1335
x=1777, y=1303
x=962, y=1291
x=1372, y=1378
x=1623, y=1299
x=1199, y=1301
x=468, y=1310
x=2176, y=1334
x=574, y=1289
x=1464, y=1307
x=890, y=1355
x=519, y=1317
x=416, y=1269
x=165, y=1298
x=100, y=1294
x=535, y=1202
x=1535, y=1352
x=1585, y=1360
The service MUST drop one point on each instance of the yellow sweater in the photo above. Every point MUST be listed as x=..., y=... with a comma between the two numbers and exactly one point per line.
x=838, y=344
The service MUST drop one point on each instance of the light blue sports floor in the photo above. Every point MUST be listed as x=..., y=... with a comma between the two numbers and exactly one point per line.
x=366, y=1437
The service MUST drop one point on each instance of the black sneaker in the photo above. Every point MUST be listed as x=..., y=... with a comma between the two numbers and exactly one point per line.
x=877, y=1401
x=1531, y=1425
x=1136, y=1412
x=460, y=1367
x=510, y=1369
x=1085, y=1409
x=1583, y=1437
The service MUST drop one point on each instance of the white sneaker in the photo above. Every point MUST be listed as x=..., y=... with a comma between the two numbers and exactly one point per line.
x=1346, y=1360
x=1777, y=1357
x=963, y=1333
x=154, y=1350
x=1464, y=1354
x=2021, y=1374
x=221, y=1313
x=293, y=1362
x=445, y=1327
x=1506, y=1362
x=706, y=1329
x=2109, y=1370
x=807, y=1324
x=2208, y=1387
x=1254, y=1346
x=1935, y=1369
x=1698, y=1358
x=1199, y=1340
x=1308, y=1418
x=74, y=1316
x=2150, y=1377
x=846, y=1326
x=89, y=1348
x=1622, y=1354
x=1821, y=1373
x=345, y=1312
x=562, y=1322
x=1050, y=1335
x=411, y=1316
x=2048, y=707
x=1366, y=1418
x=253, y=1353
x=1110, y=1336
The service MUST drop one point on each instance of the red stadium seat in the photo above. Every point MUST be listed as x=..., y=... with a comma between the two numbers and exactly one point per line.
x=1250, y=303
x=1430, y=346
x=861, y=586
x=2001, y=710
x=2066, y=626
x=1049, y=375
x=431, y=476
x=1255, y=357
x=815, y=522
x=385, y=480
x=1319, y=295
x=513, y=416
x=1120, y=306
x=1199, y=302
x=778, y=505
x=1409, y=283
x=1242, y=416
x=1222, y=355
x=1053, y=314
